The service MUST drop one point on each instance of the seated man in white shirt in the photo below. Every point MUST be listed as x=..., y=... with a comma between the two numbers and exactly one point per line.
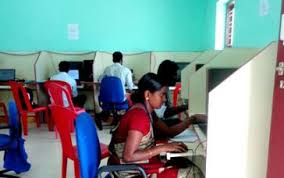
x=120, y=71
x=64, y=66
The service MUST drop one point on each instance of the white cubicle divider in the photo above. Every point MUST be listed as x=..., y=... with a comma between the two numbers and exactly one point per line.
x=228, y=58
x=158, y=57
x=186, y=73
x=138, y=62
x=70, y=56
x=47, y=65
x=23, y=63
x=43, y=67
x=239, y=120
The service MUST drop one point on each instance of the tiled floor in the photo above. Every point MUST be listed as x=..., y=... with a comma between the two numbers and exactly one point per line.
x=44, y=153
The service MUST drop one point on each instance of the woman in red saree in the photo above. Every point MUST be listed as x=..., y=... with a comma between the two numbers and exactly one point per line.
x=133, y=141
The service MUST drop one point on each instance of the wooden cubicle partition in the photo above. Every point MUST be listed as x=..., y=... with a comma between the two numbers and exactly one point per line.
x=239, y=120
x=196, y=64
x=228, y=58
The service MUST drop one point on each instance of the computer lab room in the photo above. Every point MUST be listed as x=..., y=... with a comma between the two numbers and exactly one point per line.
x=149, y=88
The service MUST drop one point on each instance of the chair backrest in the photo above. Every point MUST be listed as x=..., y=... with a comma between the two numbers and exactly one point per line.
x=64, y=118
x=59, y=93
x=175, y=94
x=14, y=120
x=14, y=127
x=20, y=96
x=88, y=146
x=111, y=91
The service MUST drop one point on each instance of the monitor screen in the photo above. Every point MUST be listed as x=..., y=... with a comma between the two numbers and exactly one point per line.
x=74, y=74
x=7, y=74
x=181, y=66
x=76, y=69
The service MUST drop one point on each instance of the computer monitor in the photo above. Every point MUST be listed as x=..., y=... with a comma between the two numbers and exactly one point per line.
x=181, y=66
x=76, y=70
x=7, y=74
x=74, y=74
x=88, y=70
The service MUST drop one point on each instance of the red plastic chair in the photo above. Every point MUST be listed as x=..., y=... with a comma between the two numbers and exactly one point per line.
x=60, y=94
x=62, y=116
x=4, y=111
x=17, y=90
x=175, y=96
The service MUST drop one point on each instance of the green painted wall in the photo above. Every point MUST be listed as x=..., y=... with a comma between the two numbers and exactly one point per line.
x=253, y=30
x=209, y=35
x=126, y=25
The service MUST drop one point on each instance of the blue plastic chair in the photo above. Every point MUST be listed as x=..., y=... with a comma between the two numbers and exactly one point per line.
x=15, y=157
x=89, y=150
x=112, y=96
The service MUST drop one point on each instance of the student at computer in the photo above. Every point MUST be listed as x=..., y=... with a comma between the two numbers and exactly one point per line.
x=167, y=73
x=120, y=71
x=133, y=141
x=64, y=67
x=125, y=76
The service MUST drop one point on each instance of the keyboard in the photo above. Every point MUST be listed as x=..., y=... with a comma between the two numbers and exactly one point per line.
x=203, y=128
x=200, y=134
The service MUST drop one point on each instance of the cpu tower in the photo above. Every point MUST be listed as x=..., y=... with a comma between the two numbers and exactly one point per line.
x=88, y=70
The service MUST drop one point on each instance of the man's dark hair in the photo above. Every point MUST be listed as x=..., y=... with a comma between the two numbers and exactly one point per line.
x=117, y=57
x=167, y=72
x=64, y=66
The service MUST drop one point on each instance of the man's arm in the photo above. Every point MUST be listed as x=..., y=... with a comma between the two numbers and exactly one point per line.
x=129, y=81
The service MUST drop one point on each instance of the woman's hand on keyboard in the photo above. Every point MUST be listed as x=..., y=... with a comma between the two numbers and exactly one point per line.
x=177, y=147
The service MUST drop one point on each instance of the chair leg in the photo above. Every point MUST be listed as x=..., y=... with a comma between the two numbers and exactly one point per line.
x=3, y=174
x=48, y=120
x=98, y=121
x=64, y=166
x=55, y=132
x=4, y=110
x=24, y=117
x=77, y=168
x=37, y=119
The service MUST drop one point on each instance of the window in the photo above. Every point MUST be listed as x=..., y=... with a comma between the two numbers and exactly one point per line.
x=224, y=27
x=229, y=24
